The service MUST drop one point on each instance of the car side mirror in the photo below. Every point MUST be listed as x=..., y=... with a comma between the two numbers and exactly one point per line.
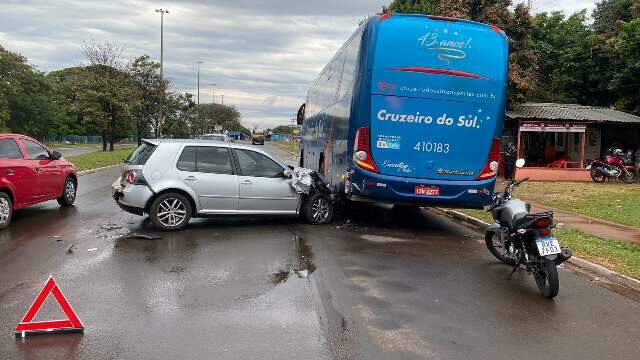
x=286, y=174
x=519, y=163
x=55, y=155
x=300, y=116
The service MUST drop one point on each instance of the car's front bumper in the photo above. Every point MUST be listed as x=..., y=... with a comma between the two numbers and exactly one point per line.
x=131, y=198
x=368, y=186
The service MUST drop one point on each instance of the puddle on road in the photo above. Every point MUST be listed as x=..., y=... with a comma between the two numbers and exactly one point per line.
x=303, y=266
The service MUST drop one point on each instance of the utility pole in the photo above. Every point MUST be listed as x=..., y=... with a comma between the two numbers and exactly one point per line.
x=162, y=12
x=222, y=97
x=213, y=98
x=198, y=64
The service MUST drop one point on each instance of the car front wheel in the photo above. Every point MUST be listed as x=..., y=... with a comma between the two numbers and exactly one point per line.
x=6, y=210
x=170, y=212
x=318, y=209
x=68, y=192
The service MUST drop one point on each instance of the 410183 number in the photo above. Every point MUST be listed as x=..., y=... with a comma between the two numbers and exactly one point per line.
x=428, y=146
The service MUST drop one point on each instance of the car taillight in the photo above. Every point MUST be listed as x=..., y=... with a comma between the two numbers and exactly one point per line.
x=129, y=176
x=490, y=168
x=362, y=150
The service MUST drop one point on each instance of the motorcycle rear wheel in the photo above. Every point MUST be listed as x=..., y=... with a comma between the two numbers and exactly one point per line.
x=547, y=279
x=497, y=248
x=597, y=176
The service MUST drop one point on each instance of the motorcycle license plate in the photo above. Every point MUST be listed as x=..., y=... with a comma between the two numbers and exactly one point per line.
x=548, y=246
x=588, y=167
x=427, y=190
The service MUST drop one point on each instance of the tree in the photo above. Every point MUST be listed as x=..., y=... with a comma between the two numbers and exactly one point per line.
x=150, y=91
x=210, y=115
x=25, y=97
x=562, y=46
x=64, y=84
x=180, y=113
x=283, y=129
x=517, y=23
x=106, y=92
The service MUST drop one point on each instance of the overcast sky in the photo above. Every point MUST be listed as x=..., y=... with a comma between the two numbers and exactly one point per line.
x=262, y=54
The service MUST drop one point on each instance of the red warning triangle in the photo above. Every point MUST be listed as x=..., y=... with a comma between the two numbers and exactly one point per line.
x=71, y=324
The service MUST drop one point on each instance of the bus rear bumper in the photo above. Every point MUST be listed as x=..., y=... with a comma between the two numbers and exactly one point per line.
x=367, y=186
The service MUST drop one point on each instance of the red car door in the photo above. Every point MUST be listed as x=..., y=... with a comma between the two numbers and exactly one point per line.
x=16, y=172
x=48, y=172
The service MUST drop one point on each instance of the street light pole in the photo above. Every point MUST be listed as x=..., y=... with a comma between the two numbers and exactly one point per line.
x=199, y=62
x=162, y=12
x=213, y=98
x=222, y=97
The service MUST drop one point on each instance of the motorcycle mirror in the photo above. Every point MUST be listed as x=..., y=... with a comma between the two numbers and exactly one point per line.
x=519, y=163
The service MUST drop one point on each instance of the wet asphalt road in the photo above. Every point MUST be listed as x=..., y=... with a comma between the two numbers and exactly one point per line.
x=389, y=283
x=84, y=149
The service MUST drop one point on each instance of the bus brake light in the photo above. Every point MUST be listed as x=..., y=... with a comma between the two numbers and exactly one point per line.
x=362, y=150
x=490, y=168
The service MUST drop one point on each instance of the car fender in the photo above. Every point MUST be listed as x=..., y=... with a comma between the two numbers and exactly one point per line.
x=167, y=184
x=6, y=185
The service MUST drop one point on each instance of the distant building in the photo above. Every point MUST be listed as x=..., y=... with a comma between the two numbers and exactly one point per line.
x=558, y=140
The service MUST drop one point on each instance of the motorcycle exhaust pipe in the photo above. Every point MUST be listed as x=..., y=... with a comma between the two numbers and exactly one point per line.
x=565, y=254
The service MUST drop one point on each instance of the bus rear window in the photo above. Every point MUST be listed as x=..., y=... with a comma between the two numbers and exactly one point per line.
x=141, y=154
x=421, y=44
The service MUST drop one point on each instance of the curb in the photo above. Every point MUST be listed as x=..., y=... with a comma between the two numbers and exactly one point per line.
x=91, y=171
x=610, y=275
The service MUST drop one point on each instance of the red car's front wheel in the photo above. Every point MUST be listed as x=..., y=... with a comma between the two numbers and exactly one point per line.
x=6, y=210
x=68, y=192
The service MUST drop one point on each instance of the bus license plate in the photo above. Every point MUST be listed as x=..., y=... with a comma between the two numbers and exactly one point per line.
x=548, y=246
x=427, y=190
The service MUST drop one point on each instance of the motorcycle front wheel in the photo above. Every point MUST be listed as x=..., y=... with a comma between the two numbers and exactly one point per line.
x=547, y=279
x=597, y=176
x=628, y=177
x=497, y=247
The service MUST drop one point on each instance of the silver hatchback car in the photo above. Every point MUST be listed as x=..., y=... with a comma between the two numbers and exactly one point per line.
x=174, y=180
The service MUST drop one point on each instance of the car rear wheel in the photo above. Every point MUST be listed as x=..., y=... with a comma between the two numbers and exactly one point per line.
x=68, y=192
x=6, y=210
x=170, y=212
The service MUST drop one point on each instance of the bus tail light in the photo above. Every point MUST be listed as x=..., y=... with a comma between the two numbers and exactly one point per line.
x=362, y=150
x=490, y=168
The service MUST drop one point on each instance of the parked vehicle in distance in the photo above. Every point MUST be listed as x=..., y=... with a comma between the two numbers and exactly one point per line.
x=410, y=111
x=216, y=137
x=257, y=138
x=175, y=180
x=614, y=167
x=521, y=239
x=31, y=173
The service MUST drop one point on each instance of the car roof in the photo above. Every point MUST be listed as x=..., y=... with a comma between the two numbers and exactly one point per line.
x=197, y=142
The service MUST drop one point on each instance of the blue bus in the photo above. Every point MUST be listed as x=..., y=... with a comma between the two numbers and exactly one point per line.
x=410, y=111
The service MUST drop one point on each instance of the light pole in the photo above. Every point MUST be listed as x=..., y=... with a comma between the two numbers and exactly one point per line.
x=222, y=97
x=162, y=12
x=199, y=62
x=213, y=98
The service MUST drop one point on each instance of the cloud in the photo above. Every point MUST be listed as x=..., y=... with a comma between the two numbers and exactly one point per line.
x=263, y=55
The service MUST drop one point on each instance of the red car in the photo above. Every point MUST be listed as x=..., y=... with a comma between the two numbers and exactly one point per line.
x=31, y=173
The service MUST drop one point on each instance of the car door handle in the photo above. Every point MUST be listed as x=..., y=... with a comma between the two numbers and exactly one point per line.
x=191, y=178
x=246, y=182
x=9, y=171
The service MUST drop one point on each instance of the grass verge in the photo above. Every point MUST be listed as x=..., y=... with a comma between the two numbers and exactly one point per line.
x=614, y=202
x=99, y=159
x=618, y=256
x=291, y=147
x=615, y=255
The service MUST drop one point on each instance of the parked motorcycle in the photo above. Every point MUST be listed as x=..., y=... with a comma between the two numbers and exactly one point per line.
x=525, y=240
x=614, y=167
